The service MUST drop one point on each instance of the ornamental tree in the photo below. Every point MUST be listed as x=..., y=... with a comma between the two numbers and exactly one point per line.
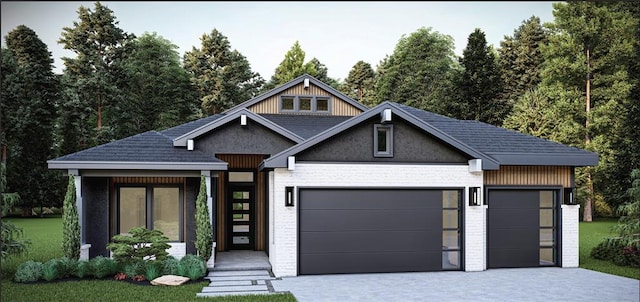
x=70, y=223
x=204, y=233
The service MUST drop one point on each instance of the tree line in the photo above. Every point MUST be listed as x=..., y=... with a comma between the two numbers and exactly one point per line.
x=574, y=80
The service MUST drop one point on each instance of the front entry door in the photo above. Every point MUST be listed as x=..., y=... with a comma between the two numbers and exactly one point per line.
x=241, y=209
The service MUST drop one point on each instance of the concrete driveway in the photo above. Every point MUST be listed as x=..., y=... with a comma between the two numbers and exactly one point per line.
x=522, y=284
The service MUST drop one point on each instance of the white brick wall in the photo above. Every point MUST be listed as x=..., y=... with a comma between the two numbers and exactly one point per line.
x=570, y=235
x=475, y=243
x=283, y=220
x=177, y=249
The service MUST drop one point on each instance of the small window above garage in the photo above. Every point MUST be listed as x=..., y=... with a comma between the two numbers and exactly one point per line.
x=305, y=104
x=382, y=140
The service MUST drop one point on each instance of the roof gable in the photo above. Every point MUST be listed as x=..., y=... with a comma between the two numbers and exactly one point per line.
x=280, y=160
x=181, y=141
x=283, y=89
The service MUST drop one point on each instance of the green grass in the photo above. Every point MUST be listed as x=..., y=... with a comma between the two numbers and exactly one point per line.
x=46, y=241
x=46, y=238
x=591, y=234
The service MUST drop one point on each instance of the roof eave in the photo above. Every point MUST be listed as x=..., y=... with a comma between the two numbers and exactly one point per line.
x=125, y=165
x=548, y=159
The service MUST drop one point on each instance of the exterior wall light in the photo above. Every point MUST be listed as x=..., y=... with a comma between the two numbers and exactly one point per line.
x=474, y=196
x=568, y=196
x=288, y=197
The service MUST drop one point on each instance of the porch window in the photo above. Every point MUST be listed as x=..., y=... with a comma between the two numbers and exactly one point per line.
x=151, y=207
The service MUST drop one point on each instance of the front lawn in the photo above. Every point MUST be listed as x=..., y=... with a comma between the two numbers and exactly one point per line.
x=46, y=238
x=591, y=234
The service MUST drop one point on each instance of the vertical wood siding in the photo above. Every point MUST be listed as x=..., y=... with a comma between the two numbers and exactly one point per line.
x=242, y=161
x=338, y=105
x=529, y=175
x=147, y=180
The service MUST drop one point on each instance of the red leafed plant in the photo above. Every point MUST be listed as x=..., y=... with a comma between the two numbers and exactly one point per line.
x=138, y=278
x=120, y=276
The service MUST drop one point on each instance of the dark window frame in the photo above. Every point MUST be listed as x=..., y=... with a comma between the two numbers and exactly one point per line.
x=313, y=106
x=389, y=140
x=459, y=248
x=149, y=206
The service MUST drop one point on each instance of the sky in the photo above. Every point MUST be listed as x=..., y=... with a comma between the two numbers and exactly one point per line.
x=339, y=34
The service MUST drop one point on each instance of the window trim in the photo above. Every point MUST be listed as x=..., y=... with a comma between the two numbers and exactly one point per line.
x=149, y=206
x=296, y=104
x=389, y=142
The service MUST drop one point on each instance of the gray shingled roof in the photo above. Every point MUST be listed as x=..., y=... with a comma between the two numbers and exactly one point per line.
x=492, y=140
x=305, y=126
x=497, y=146
x=190, y=126
x=150, y=149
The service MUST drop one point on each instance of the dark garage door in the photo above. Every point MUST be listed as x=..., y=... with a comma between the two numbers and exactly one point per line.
x=376, y=230
x=522, y=230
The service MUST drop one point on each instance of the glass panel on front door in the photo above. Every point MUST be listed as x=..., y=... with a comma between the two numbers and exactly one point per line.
x=241, y=205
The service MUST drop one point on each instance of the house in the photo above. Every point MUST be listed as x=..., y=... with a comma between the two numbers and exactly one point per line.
x=323, y=185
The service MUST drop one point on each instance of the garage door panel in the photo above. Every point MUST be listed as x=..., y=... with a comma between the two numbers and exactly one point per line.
x=513, y=218
x=378, y=241
x=514, y=227
x=513, y=238
x=345, y=199
x=522, y=257
x=371, y=262
x=371, y=230
x=367, y=219
x=515, y=199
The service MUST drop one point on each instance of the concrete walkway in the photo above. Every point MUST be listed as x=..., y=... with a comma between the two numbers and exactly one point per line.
x=239, y=273
x=521, y=284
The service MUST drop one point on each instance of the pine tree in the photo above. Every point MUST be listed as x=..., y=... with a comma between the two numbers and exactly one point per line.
x=90, y=77
x=70, y=223
x=359, y=84
x=221, y=76
x=521, y=60
x=292, y=67
x=481, y=82
x=591, y=49
x=420, y=72
x=30, y=93
x=204, y=234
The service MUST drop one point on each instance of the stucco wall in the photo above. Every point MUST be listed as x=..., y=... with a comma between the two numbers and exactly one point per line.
x=410, y=145
x=236, y=139
x=283, y=228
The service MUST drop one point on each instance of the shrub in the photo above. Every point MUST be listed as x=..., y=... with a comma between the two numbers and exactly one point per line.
x=606, y=250
x=140, y=244
x=170, y=266
x=204, y=233
x=614, y=250
x=83, y=269
x=134, y=268
x=67, y=267
x=102, y=266
x=50, y=270
x=153, y=269
x=192, y=267
x=70, y=224
x=29, y=271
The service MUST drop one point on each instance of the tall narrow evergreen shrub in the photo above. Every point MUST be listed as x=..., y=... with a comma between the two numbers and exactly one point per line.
x=70, y=223
x=204, y=234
